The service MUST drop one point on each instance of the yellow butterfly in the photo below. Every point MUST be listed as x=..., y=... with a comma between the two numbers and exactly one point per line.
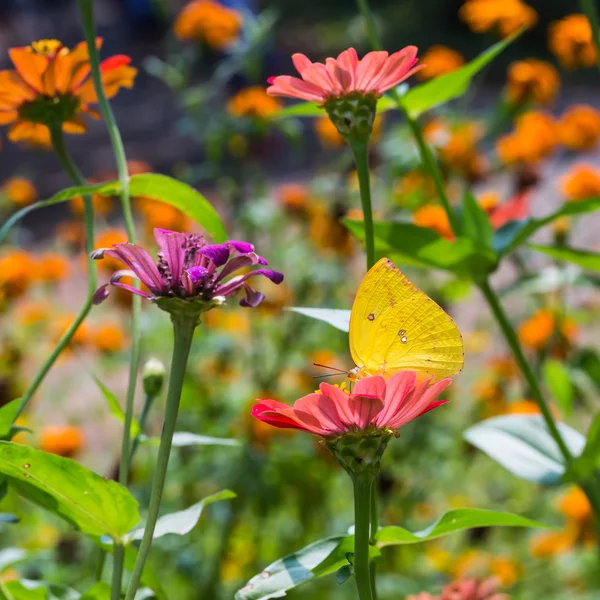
x=394, y=326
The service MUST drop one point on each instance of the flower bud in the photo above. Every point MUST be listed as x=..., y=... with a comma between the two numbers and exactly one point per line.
x=153, y=377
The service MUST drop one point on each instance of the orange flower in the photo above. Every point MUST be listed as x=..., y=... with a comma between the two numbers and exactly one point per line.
x=31, y=313
x=327, y=233
x=17, y=271
x=102, y=205
x=439, y=60
x=543, y=545
x=571, y=41
x=532, y=79
x=575, y=506
x=488, y=201
x=293, y=197
x=506, y=570
x=580, y=182
x=536, y=331
x=161, y=215
x=253, y=102
x=414, y=185
x=327, y=132
x=52, y=84
x=106, y=239
x=210, y=22
x=535, y=137
x=20, y=191
x=459, y=152
x=506, y=16
x=52, y=267
x=433, y=217
x=522, y=407
x=579, y=127
x=109, y=338
x=63, y=323
x=64, y=440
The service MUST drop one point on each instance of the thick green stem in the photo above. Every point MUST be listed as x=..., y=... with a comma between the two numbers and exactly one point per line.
x=142, y=422
x=87, y=17
x=183, y=333
x=534, y=387
x=589, y=8
x=117, y=575
x=360, y=150
x=100, y=564
x=362, y=517
x=66, y=161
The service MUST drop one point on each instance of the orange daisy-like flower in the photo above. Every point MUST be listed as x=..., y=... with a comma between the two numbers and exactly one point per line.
x=64, y=440
x=532, y=79
x=580, y=182
x=535, y=138
x=20, y=191
x=253, y=102
x=439, y=60
x=433, y=217
x=571, y=41
x=51, y=85
x=505, y=16
x=579, y=127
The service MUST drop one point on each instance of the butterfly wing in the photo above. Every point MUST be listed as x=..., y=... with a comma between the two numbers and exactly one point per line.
x=395, y=326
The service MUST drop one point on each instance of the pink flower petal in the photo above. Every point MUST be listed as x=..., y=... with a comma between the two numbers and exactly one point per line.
x=368, y=68
x=397, y=389
x=348, y=62
x=365, y=409
x=394, y=69
x=418, y=402
x=292, y=87
x=370, y=386
x=342, y=402
x=324, y=409
x=319, y=75
x=301, y=62
x=338, y=76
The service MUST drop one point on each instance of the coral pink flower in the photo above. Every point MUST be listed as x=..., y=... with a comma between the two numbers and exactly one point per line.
x=374, y=74
x=374, y=405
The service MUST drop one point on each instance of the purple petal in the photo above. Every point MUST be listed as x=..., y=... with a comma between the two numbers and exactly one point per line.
x=218, y=253
x=240, y=262
x=241, y=247
x=116, y=281
x=253, y=298
x=101, y=294
x=141, y=263
x=196, y=273
x=275, y=276
x=235, y=283
x=262, y=261
x=172, y=245
x=98, y=254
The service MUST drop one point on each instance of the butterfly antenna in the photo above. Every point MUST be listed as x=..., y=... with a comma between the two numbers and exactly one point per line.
x=327, y=375
x=328, y=367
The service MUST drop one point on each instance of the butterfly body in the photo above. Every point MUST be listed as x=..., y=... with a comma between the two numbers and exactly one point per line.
x=394, y=326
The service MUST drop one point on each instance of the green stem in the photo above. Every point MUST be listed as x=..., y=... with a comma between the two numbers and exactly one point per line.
x=183, y=333
x=370, y=24
x=536, y=392
x=362, y=516
x=100, y=564
x=117, y=575
x=87, y=17
x=360, y=150
x=589, y=8
x=67, y=163
x=142, y=422
x=6, y=595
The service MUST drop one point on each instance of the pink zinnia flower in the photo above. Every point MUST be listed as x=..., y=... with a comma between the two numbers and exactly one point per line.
x=376, y=73
x=374, y=406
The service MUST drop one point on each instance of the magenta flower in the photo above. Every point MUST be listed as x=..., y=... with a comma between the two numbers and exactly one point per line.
x=189, y=269
x=376, y=73
x=374, y=405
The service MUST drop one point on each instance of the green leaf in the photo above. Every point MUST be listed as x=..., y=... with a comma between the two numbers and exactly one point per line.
x=149, y=185
x=523, y=446
x=343, y=574
x=476, y=224
x=10, y=557
x=440, y=90
x=338, y=318
x=115, y=407
x=583, y=258
x=100, y=591
x=558, y=380
x=27, y=590
x=459, y=519
x=182, y=439
x=181, y=522
x=513, y=234
x=7, y=416
x=589, y=460
x=406, y=243
x=588, y=361
x=94, y=505
x=328, y=555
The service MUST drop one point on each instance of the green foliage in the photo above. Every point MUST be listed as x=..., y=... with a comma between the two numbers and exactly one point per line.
x=94, y=505
x=330, y=554
x=336, y=317
x=148, y=185
x=100, y=591
x=558, y=380
x=115, y=407
x=583, y=258
x=7, y=416
x=589, y=459
x=475, y=223
x=523, y=446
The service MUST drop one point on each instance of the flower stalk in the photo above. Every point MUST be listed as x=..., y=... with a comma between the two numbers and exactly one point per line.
x=360, y=151
x=58, y=143
x=363, y=483
x=183, y=333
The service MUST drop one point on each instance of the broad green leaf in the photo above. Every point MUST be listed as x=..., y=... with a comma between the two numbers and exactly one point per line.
x=7, y=416
x=338, y=318
x=100, y=591
x=440, y=90
x=181, y=439
x=476, y=224
x=589, y=460
x=459, y=519
x=148, y=185
x=94, y=505
x=28, y=589
x=115, y=407
x=513, y=234
x=583, y=258
x=181, y=522
x=588, y=361
x=558, y=381
x=329, y=555
x=406, y=243
x=523, y=446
